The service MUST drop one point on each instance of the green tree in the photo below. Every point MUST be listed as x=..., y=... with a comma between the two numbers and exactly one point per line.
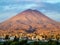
x=35, y=43
x=7, y=37
x=23, y=42
x=16, y=38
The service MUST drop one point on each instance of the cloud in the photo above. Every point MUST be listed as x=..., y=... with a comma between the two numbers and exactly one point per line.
x=49, y=7
x=16, y=1
x=53, y=15
x=16, y=6
x=36, y=1
x=52, y=1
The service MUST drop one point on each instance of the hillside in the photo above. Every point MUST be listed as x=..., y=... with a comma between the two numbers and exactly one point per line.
x=30, y=21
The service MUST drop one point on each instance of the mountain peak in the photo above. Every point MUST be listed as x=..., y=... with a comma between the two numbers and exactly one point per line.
x=30, y=20
x=30, y=10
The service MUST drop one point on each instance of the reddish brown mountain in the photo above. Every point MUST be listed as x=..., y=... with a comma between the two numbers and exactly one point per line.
x=30, y=19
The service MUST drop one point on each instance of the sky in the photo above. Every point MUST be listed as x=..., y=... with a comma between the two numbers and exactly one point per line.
x=9, y=8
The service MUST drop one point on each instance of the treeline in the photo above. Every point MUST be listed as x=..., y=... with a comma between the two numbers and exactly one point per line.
x=25, y=42
x=16, y=41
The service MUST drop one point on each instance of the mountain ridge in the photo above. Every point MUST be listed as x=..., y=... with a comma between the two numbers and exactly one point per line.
x=30, y=19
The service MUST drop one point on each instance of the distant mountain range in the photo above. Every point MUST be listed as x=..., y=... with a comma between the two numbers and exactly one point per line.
x=30, y=21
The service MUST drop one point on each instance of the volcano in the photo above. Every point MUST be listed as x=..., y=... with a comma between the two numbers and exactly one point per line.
x=30, y=21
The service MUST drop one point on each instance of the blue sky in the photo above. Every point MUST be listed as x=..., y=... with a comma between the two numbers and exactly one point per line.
x=9, y=8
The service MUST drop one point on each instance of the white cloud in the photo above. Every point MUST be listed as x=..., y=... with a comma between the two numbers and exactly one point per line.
x=36, y=1
x=17, y=1
x=51, y=1
x=15, y=6
x=53, y=15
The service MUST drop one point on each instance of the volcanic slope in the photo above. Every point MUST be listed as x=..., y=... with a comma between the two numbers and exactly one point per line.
x=31, y=20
